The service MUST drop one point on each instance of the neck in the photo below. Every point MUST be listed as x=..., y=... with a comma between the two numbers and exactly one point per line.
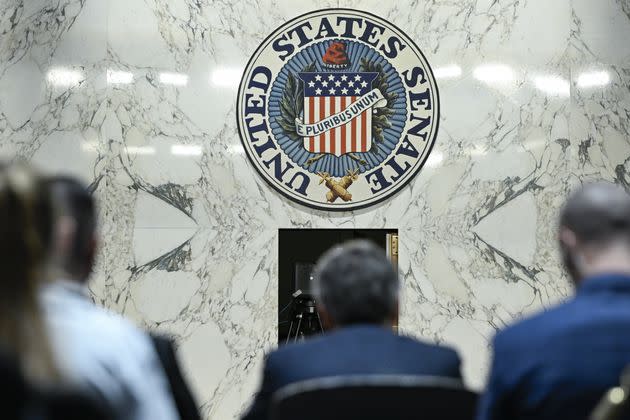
x=388, y=325
x=56, y=272
x=615, y=260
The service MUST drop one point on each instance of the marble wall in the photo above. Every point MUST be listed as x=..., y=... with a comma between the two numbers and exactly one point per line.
x=137, y=97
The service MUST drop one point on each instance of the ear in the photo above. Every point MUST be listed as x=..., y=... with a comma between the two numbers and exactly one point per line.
x=567, y=238
x=324, y=316
x=92, y=248
x=64, y=231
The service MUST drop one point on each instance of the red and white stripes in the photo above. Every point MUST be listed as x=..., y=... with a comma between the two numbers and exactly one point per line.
x=352, y=137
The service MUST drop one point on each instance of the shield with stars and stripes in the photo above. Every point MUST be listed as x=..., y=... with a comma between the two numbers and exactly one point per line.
x=337, y=94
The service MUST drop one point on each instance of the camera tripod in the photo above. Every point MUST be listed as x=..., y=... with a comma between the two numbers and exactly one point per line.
x=305, y=319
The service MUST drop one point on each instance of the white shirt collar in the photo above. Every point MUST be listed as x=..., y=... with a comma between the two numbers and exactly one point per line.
x=71, y=286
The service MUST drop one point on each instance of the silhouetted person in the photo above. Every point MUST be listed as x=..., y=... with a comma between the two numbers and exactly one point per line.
x=356, y=291
x=31, y=384
x=558, y=364
x=25, y=231
x=94, y=347
x=22, y=400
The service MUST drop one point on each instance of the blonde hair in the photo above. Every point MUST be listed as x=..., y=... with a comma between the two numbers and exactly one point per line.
x=25, y=230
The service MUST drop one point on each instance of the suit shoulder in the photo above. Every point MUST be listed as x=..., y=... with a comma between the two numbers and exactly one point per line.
x=300, y=347
x=443, y=352
x=440, y=348
x=450, y=352
x=532, y=329
x=286, y=352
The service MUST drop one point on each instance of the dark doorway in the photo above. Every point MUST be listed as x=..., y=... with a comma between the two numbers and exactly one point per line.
x=299, y=250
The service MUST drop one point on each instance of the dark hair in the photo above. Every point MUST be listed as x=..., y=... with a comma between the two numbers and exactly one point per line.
x=73, y=200
x=25, y=232
x=356, y=283
x=598, y=213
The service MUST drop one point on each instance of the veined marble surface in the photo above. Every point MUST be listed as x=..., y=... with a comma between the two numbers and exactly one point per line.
x=137, y=97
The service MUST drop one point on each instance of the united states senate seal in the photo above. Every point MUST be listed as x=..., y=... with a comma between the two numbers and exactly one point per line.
x=338, y=109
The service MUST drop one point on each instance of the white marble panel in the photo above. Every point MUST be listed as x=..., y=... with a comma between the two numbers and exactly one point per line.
x=600, y=30
x=138, y=98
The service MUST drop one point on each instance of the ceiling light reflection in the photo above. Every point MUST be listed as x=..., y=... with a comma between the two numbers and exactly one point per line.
x=477, y=151
x=140, y=150
x=59, y=76
x=493, y=73
x=115, y=77
x=448, y=72
x=553, y=85
x=175, y=79
x=226, y=77
x=595, y=78
x=434, y=159
x=186, y=150
x=90, y=146
x=236, y=149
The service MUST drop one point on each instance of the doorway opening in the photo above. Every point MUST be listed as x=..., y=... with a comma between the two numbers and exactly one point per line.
x=299, y=250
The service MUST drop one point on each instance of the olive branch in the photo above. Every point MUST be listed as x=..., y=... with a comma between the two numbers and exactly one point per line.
x=380, y=119
x=292, y=103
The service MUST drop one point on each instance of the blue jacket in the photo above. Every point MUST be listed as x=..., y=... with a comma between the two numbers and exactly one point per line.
x=558, y=364
x=351, y=351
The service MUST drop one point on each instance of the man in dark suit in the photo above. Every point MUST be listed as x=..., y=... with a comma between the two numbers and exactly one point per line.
x=356, y=291
x=558, y=364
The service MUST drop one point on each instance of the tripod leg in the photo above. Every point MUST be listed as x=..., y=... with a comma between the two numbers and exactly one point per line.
x=297, y=330
x=289, y=335
x=319, y=320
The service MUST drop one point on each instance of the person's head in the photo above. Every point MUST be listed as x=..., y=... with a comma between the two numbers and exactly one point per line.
x=74, y=244
x=355, y=283
x=26, y=222
x=25, y=232
x=594, y=231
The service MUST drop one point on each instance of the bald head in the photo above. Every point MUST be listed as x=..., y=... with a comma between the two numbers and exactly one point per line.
x=595, y=229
